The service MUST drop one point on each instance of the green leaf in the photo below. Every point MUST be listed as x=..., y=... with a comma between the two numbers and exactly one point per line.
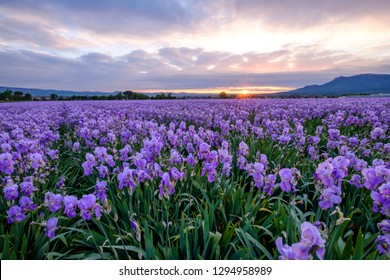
x=359, y=246
x=24, y=246
x=5, y=255
x=372, y=256
x=346, y=254
x=227, y=236
x=260, y=246
x=335, y=235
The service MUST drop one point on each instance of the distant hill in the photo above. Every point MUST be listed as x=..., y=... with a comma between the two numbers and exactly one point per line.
x=47, y=92
x=358, y=84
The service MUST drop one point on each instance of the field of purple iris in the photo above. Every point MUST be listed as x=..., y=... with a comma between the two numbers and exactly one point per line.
x=195, y=179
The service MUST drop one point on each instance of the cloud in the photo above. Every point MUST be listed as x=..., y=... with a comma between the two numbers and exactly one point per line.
x=146, y=44
x=96, y=58
x=175, y=68
x=230, y=25
x=136, y=18
x=291, y=14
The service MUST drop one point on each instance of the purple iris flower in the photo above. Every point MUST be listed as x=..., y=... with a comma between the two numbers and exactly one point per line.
x=329, y=197
x=190, y=147
x=15, y=214
x=224, y=145
x=377, y=133
x=11, y=192
x=100, y=190
x=190, y=159
x=139, y=161
x=76, y=146
x=311, y=237
x=110, y=160
x=383, y=242
x=51, y=227
x=204, y=149
x=125, y=153
x=6, y=148
x=224, y=156
x=210, y=171
x=155, y=146
x=53, y=201
x=382, y=170
x=360, y=165
x=26, y=204
x=111, y=137
x=87, y=205
x=324, y=173
x=353, y=141
x=70, y=205
x=176, y=174
x=381, y=199
x=286, y=177
x=371, y=178
x=137, y=229
x=210, y=165
x=60, y=183
x=269, y=184
x=340, y=167
x=89, y=164
x=100, y=153
x=285, y=251
x=257, y=172
x=226, y=169
x=103, y=171
x=175, y=158
x=6, y=163
x=356, y=180
x=384, y=226
x=334, y=134
x=311, y=242
x=263, y=160
x=36, y=160
x=243, y=149
x=166, y=187
x=241, y=162
x=126, y=179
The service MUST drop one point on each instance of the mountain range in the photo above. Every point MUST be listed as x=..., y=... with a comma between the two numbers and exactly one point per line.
x=47, y=92
x=358, y=84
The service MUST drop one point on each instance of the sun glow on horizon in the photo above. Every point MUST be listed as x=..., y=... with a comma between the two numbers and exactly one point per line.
x=229, y=90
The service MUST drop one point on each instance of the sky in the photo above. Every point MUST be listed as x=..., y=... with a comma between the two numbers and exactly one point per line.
x=255, y=46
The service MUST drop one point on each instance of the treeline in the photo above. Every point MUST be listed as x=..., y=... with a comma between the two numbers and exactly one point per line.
x=9, y=95
x=126, y=95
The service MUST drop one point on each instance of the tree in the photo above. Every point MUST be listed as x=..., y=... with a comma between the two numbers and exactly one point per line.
x=7, y=95
x=128, y=94
x=53, y=96
x=120, y=96
x=223, y=95
x=18, y=95
x=28, y=96
x=169, y=96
